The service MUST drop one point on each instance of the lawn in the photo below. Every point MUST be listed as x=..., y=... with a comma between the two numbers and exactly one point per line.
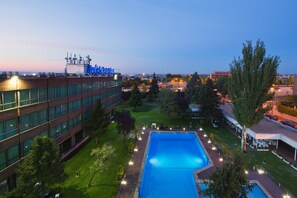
x=277, y=169
x=105, y=184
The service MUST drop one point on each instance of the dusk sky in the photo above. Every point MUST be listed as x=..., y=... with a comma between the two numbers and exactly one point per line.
x=162, y=36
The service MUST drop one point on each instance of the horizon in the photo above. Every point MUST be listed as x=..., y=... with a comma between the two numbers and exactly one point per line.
x=144, y=37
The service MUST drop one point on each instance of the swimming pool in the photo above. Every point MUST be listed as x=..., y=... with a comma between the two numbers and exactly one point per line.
x=170, y=163
x=257, y=192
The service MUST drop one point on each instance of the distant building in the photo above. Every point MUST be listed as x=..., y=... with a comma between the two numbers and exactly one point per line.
x=295, y=85
x=216, y=75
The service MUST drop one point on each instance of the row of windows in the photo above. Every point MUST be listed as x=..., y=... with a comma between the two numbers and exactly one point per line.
x=57, y=111
x=9, y=156
x=33, y=119
x=8, y=128
x=58, y=130
x=31, y=96
x=73, y=122
x=36, y=95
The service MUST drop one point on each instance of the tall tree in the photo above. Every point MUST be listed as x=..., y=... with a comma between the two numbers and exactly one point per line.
x=182, y=104
x=98, y=122
x=230, y=180
x=192, y=85
x=251, y=78
x=168, y=103
x=41, y=170
x=154, y=89
x=209, y=102
x=222, y=86
x=136, y=98
x=125, y=122
x=102, y=156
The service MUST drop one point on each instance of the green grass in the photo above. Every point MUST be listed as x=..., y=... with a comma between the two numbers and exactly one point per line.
x=277, y=169
x=105, y=184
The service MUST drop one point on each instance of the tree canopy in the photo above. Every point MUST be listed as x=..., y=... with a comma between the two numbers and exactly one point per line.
x=102, y=156
x=154, y=89
x=98, y=122
x=192, y=85
x=222, y=85
x=168, y=103
x=125, y=122
x=41, y=170
x=136, y=98
x=209, y=102
x=251, y=78
x=229, y=180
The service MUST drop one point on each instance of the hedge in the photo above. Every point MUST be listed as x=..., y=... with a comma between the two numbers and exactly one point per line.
x=287, y=110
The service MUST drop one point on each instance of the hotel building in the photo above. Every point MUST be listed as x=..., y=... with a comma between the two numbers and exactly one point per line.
x=53, y=106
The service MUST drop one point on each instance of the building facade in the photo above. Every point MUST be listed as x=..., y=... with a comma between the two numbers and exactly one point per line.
x=295, y=85
x=48, y=106
x=217, y=74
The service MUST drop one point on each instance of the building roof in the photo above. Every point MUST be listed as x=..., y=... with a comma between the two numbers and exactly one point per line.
x=266, y=128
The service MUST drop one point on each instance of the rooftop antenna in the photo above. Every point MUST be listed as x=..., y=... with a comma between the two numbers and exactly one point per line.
x=74, y=59
x=66, y=58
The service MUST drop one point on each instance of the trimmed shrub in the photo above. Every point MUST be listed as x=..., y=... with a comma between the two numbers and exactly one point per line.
x=286, y=110
x=120, y=171
x=131, y=146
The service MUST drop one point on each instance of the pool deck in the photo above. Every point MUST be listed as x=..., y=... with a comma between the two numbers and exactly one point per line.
x=132, y=172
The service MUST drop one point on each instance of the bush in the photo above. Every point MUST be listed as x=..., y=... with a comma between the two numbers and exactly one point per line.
x=131, y=147
x=120, y=171
x=287, y=110
x=212, y=136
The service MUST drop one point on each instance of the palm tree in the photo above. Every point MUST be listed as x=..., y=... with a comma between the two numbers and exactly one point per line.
x=251, y=78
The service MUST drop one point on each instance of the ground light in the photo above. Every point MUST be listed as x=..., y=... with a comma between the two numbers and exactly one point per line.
x=158, y=128
x=142, y=132
x=136, y=149
x=208, y=141
x=286, y=196
x=131, y=162
x=184, y=129
x=260, y=171
x=143, y=128
x=170, y=129
x=213, y=148
x=204, y=135
x=123, y=182
x=221, y=159
x=139, y=138
x=246, y=172
x=200, y=129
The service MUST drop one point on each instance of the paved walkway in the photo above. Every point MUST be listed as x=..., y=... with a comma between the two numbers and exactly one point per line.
x=132, y=172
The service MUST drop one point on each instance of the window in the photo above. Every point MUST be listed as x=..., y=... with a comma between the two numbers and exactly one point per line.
x=24, y=97
x=2, y=160
x=7, y=100
x=3, y=187
x=9, y=156
x=42, y=94
x=8, y=128
x=58, y=111
x=31, y=96
x=12, y=154
x=25, y=122
x=58, y=130
x=32, y=120
x=27, y=146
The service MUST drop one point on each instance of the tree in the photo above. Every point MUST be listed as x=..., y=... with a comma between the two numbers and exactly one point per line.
x=98, y=122
x=222, y=86
x=182, y=104
x=209, y=102
x=41, y=170
x=230, y=180
x=192, y=85
x=136, y=98
x=154, y=89
x=251, y=78
x=168, y=104
x=102, y=156
x=125, y=122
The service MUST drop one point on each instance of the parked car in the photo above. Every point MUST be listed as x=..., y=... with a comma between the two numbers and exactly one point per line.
x=272, y=117
x=289, y=123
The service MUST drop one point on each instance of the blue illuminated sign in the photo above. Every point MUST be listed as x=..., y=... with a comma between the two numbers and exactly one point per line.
x=99, y=70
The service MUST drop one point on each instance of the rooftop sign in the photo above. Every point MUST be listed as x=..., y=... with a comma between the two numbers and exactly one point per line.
x=99, y=70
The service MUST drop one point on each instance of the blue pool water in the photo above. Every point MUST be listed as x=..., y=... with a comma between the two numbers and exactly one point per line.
x=170, y=163
x=255, y=193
